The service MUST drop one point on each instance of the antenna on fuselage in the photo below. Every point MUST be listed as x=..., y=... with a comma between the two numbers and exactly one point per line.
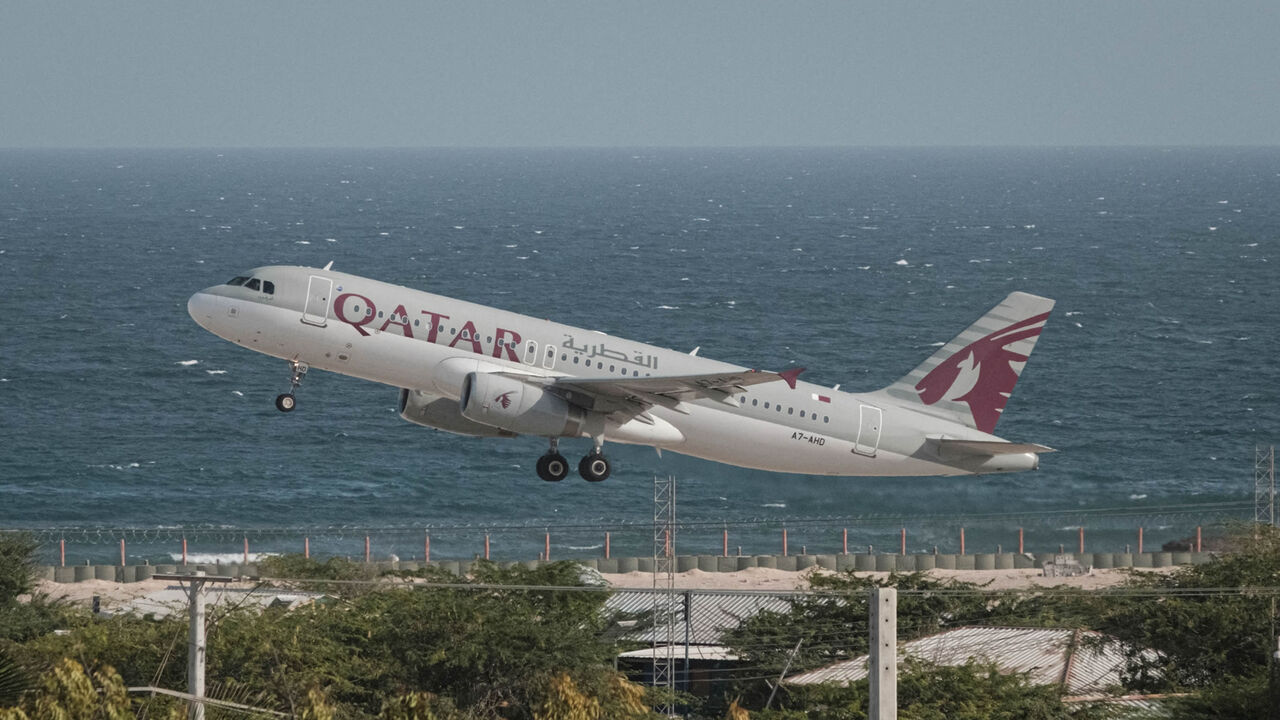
x=329, y=266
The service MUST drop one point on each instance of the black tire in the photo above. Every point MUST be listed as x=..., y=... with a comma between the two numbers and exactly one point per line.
x=553, y=467
x=595, y=467
x=286, y=402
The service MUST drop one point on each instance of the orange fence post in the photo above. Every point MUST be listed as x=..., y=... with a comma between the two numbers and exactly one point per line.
x=486, y=546
x=184, y=549
x=606, y=544
x=903, y=544
x=1020, y=549
x=306, y=547
x=246, y=549
x=62, y=552
x=1081, y=539
x=784, y=542
x=845, y=544
x=121, y=552
x=1198, y=546
x=426, y=548
x=1139, y=541
x=366, y=548
x=961, y=541
x=724, y=544
x=547, y=547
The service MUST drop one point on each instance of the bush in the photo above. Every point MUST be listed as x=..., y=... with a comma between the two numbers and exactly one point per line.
x=17, y=565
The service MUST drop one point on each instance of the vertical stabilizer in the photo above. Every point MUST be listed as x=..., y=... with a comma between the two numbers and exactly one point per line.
x=969, y=380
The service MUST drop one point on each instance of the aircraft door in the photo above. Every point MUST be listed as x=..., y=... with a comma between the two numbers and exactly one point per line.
x=316, y=310
x=869, y=422
x=531, y=353
x=549, y=359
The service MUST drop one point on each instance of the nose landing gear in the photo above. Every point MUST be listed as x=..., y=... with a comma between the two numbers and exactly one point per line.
x=286, y=402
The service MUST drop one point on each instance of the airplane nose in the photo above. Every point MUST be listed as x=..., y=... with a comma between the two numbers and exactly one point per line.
x=200, y=308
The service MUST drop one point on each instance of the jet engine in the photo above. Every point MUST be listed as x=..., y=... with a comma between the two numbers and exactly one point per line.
x=518, y=407
x=442, y=413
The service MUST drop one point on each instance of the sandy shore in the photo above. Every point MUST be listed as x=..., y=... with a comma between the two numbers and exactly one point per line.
x=113, y=595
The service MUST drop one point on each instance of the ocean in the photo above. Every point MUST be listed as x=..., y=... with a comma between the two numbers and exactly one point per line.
x=1155, y=378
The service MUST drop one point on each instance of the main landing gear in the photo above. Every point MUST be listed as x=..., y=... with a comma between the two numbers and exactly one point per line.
x=286, y=402
x=552, y=466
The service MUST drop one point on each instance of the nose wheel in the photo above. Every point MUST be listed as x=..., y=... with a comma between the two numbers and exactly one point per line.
x=286, y=402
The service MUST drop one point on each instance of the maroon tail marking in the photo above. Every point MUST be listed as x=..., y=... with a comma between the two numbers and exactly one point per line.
x=996, y=378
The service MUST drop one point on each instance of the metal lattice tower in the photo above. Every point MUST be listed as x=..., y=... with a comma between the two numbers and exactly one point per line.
x=1264, y=485
x=664, y=591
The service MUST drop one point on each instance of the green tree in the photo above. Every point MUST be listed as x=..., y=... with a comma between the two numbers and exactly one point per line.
x=70, y=692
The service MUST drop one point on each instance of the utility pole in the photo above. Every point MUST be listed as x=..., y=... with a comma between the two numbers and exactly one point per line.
x=882, y=666
x=195, y=635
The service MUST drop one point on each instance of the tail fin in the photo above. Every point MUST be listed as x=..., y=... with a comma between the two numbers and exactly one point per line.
x=970, y=379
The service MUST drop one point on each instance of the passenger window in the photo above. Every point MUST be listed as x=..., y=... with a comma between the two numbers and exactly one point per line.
x=801, y=414
x=253, y=284
x=755, y=401
x=791, y=411
x=766, y=405
x=826, y=418
x=268, y=287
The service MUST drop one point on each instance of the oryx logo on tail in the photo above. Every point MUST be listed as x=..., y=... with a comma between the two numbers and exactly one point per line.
x=982, y=373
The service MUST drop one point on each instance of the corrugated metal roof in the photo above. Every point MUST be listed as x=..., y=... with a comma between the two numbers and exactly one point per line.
x=712, y=613
x=696, y=652
x=1049, y=656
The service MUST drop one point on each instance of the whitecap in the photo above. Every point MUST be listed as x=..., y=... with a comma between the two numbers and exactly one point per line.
x=1143, y=496
x=864, y=267
x=216, y=372
x=538, y=232
x=522, y=257
x=215, y=558
x=585, y=547
x=774, y=505
x=667, y=307
x=459, y=227
x=384, y=234
x=515, y=245
x=237, y=392
x=301, y=242
x=187, y=363
x=902, y=262
x=1073, y=313
x=331, y=239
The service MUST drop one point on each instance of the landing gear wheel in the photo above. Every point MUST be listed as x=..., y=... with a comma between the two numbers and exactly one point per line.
x=552, y=467
x=286, y=402
x=595, y=467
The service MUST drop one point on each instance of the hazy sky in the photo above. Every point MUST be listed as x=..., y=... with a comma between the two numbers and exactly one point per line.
x=638, y=73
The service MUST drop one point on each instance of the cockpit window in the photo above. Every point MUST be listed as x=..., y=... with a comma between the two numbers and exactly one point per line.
x=238, y=280
x=268, y=287
x=254, y=284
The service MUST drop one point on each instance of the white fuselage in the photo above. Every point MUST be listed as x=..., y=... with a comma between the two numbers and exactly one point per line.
x=429, y=343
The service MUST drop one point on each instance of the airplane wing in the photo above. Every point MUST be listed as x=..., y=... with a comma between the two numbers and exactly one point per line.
x=635, y=395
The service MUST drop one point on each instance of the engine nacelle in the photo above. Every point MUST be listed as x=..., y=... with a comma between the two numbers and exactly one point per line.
x=519, y=407
x=442, y=413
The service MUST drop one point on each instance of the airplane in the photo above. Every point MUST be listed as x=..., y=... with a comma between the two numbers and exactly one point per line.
x=474, y=370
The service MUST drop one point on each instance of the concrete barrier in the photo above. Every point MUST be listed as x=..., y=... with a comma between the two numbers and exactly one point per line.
x=1161, y=559
x=727, y=564
x=864, y=563
x=827, y=562
x=767, y=561
x=804, y=562
x=685, y=563
x=607, y=565
x=746, y=561
x=105, y=572
x=886, y=563
x=1142, y=560
x=787, y=563
x=83, y=572
x=1104, y=561
x=64, y=574
x=628, y=564
x=846, y=562
x=906, y=563
x=984, y=561
x=925, y=562
x=1182, y=558
x=944, y=562
x=964, y=562
x=1005, y=561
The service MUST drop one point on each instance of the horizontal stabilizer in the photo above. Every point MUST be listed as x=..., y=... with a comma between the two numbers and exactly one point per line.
x=989, y=447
